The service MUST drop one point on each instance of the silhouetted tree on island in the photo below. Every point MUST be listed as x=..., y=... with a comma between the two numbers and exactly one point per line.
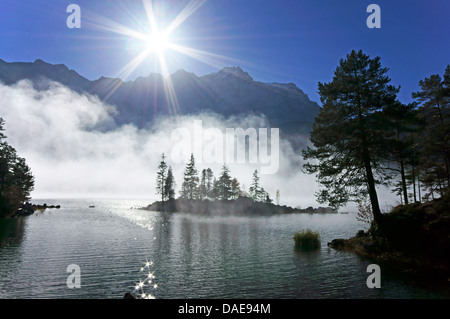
x=16, y=179
x=209, y=183
x=203, y=190
x=169, y=187
x=267, y=199
x=207, y=187
x=214, y=194
x=161, y=176
x=254, y=188
x=224, y=184
x=235, y=189
x=189, y=188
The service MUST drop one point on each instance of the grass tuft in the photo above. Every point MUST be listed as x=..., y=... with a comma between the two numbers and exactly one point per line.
x=307, y=240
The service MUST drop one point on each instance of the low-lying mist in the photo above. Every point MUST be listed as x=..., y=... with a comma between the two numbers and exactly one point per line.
x=74, y=150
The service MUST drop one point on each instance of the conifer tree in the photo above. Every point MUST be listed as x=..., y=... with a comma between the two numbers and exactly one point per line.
x=189, y=188
x=16, y=178
x=263, y=195
x=215, y=191
x=169, y=187
x=398, y=122
x=224, y=184
x=203, y=188
x=434, y=99
x=235, y=189
x=346, y=138
x=209, y=183
x=161, y=176
x=254, y=189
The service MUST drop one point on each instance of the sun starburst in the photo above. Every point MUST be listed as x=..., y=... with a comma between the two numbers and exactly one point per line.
x=146, y=283
x=153, y=40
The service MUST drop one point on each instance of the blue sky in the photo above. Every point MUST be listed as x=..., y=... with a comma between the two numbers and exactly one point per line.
x=297, y=41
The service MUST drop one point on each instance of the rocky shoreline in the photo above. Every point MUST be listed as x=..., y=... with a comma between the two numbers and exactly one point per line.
x=412, y=238
x=28, y=209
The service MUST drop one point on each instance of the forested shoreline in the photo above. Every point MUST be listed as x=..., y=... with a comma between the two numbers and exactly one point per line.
x=363, y=138
x=16, y=179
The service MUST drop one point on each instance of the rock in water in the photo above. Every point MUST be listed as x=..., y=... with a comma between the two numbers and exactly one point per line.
x=130, y=295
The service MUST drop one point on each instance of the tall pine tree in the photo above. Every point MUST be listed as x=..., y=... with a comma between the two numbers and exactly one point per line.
x=398, y=122
x=347, y=147
x=255, y=189
x=224, y=184
x=169, y=186
x=189, y=188
x=209, y=183
x=235, y=189
x=434, y=99
x=161, y=176
x=203, y=187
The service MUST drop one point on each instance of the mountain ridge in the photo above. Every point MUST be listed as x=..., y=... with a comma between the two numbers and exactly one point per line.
x=230, y=91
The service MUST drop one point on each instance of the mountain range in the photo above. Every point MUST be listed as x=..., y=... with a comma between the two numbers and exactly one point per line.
x=228, y=92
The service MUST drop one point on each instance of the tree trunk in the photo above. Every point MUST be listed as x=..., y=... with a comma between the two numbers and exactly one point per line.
x=402, y=169
x=446, y=152
x=439, y=181
x=414, y=177
x=405, y=190
x=419, y=186
x=371, y=185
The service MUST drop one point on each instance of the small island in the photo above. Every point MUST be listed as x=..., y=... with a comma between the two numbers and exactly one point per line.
x=223, y=196
x=243, y=206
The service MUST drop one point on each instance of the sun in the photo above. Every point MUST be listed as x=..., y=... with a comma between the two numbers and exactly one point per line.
x=157, y=41
x=152, y=40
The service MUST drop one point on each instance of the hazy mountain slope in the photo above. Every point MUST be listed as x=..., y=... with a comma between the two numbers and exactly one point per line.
x=230, y=91
x=39, y=71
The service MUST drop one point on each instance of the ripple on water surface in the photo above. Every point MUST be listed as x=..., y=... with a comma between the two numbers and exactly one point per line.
x=193, y=257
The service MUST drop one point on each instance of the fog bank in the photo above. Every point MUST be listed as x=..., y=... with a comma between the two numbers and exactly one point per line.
x=68, y=142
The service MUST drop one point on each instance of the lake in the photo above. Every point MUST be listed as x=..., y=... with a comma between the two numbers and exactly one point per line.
x=193, y=257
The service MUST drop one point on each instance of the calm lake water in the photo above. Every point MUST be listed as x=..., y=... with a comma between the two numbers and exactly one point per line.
x=193, y=257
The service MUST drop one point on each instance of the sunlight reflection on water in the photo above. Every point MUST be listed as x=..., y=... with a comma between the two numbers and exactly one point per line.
x=193, y=257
